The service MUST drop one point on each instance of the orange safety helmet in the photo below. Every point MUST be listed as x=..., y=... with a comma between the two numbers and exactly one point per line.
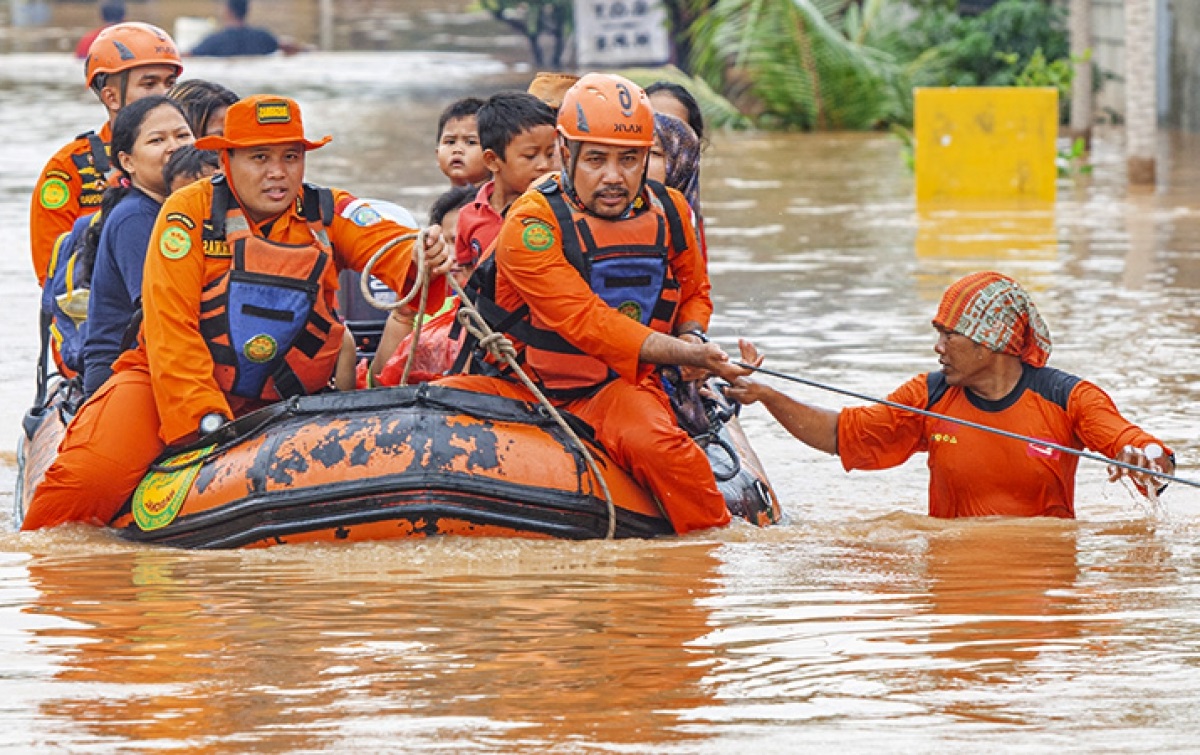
x=607, y=109
x=129, y=45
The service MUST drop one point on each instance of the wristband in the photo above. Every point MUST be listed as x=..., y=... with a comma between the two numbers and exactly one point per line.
x=695, y=332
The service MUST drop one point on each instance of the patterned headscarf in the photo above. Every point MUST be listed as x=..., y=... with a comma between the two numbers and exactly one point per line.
x=681, y=147
x=994, y=311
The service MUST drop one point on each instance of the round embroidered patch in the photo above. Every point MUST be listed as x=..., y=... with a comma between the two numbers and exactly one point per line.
x=54, y=194
x=538, y=236
x=365, y=216
x=631, y=309
x=260, y=349
x=174, y=243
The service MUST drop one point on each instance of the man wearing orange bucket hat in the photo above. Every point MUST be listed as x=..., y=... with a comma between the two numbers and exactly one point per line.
x=238, y=301
x=992, y=348
x=600, y=275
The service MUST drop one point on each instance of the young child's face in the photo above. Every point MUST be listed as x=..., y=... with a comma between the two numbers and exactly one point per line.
x=184, y=180
x=458, y=152
x=530, y=155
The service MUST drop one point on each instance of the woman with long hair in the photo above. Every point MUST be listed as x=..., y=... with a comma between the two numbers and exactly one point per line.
x=145, y=135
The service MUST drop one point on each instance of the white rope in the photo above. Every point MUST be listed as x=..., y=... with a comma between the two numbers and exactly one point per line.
x=421, y=285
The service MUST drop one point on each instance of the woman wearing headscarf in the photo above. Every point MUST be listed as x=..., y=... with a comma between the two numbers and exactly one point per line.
x=992, y=347
x=675, y=162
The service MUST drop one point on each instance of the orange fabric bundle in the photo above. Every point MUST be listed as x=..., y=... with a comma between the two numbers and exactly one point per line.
x=993, y=310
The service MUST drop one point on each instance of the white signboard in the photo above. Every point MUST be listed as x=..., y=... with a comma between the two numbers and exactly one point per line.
x=612, y=33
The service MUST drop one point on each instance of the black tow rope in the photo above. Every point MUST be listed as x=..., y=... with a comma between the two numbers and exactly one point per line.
x=968, y=423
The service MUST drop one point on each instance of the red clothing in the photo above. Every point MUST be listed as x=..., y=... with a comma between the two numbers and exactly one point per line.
x=976, y=473
x=631, y=415
x=478, y=226
x=161, y=390
x=68, y=188
x=85, y=42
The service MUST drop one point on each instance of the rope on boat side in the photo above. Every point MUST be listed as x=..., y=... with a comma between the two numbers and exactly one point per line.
x=499, y=346
x=496, y=343
x=421, y=284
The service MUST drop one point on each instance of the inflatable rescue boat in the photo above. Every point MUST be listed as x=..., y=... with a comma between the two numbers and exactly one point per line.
x=394, y=463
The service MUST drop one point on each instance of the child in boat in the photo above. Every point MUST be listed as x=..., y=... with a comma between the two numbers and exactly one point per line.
x=387, y=368
x=517, y=133
x=188, y=165
x=458, y=152
x=146, y=135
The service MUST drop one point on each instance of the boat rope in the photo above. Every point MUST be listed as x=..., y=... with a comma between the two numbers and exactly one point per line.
x=420, y=285
x=501, y=347
x=975, y=425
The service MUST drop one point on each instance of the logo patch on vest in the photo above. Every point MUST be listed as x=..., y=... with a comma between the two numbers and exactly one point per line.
x=260, y=349
x=175, y=243
x=273, y=111
x=631, y=309
x=54, y=194
x=538, y=236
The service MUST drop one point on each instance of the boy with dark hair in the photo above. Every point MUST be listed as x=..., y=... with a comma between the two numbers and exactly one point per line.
x=458, y=152
x=516, y=132
x=188, y=165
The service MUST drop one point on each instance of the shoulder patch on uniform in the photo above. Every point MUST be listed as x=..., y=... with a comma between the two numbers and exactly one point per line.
x=181, y=219
x=174, y=243
x=54, y=193
x=56, y=173
x=538, y=235
x=361, y=213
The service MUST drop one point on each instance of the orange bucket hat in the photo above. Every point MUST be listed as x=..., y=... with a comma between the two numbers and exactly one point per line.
x=261, y=120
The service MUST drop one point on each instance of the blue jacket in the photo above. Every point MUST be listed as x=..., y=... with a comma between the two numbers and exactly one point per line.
x=116, y=284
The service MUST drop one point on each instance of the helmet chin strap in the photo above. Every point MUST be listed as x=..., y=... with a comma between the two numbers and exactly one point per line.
x=124, y=87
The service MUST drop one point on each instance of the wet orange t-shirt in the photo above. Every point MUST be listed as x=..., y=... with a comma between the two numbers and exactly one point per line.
x=179, y=265
x=976, y=473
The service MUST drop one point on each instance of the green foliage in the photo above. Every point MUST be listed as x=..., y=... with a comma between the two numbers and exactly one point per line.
x=789, y=63
x=991, y=49
x=1072, y=161
x=536, y=20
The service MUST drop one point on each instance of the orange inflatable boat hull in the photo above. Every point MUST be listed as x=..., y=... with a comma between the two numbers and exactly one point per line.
x=397, y=463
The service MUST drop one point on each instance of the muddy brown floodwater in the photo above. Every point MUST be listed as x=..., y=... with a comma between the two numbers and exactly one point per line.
x=860, y=625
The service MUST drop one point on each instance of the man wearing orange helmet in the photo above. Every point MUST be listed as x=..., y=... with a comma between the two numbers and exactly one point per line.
x=598, y=273
x=125, y=63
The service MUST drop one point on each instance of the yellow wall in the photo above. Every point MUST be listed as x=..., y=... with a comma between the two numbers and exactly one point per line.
x=984, y=143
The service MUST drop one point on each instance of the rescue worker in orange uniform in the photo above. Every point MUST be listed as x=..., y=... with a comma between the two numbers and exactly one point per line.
x=606, y=278
x=992, y=348
x=238, y=297
x=125, y=63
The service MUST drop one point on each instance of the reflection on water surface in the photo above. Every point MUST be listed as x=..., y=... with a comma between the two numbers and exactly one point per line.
x=861, y=624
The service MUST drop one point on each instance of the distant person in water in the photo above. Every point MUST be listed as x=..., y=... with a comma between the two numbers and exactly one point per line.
x=111, y=12
x=237, y=38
